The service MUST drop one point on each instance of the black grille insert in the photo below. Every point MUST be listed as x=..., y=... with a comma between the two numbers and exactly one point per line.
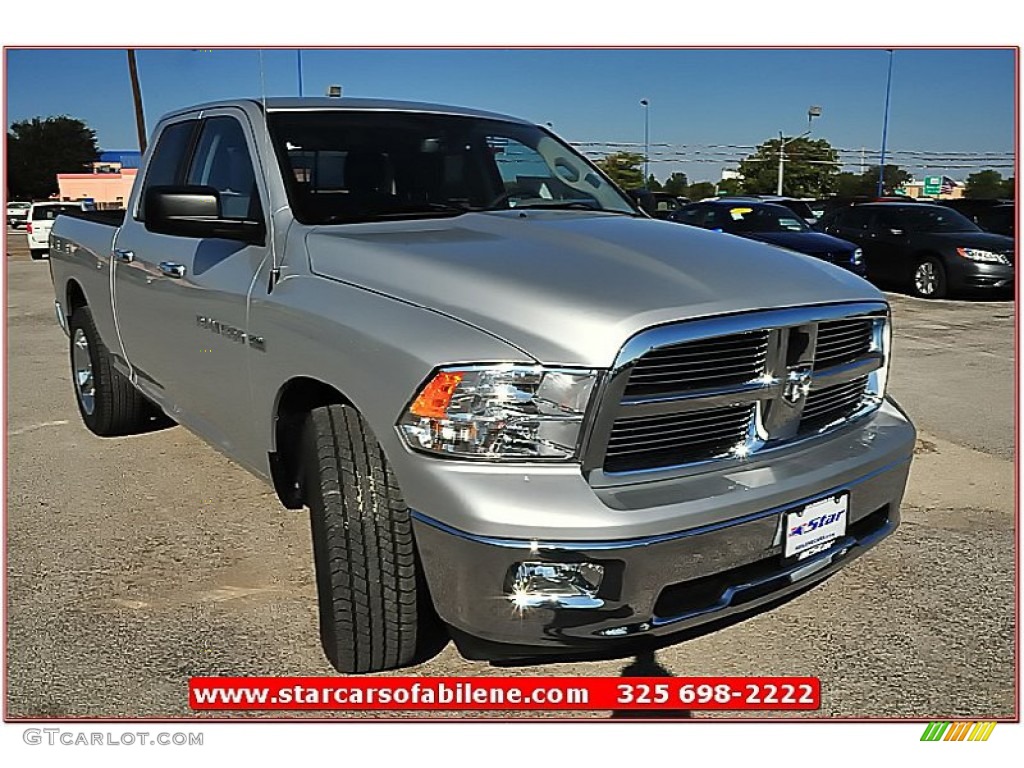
x=721, y=361
x=830, y=404
x=842, y=341
x=676, y=438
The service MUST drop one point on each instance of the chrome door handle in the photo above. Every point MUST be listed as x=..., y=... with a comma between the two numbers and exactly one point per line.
x=123, y=254
x=171, y=269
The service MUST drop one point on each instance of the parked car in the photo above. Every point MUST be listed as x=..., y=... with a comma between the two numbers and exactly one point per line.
x=657, y=204
x=40, y=222
x=770, y=223
x=929, y=249
x=800, y=207
x=998, y=216
x=17, y=214
x=541, y=419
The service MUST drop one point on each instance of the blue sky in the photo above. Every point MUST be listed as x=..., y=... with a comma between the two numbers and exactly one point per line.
x=942, y=100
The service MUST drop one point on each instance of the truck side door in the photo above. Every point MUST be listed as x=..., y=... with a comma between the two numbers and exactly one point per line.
x=182, y=302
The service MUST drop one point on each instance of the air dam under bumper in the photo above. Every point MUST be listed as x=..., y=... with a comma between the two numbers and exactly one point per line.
x=657, y=585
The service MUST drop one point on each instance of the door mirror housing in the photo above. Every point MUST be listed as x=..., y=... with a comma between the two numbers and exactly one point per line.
x=194, y=211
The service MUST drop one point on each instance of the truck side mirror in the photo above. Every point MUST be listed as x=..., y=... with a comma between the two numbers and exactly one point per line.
x=194, y=211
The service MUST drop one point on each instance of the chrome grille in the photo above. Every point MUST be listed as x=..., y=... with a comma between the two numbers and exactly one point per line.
x=676, y=438
x=725, y=389
x=830, y=404
x=702, y=364
x=842, y=341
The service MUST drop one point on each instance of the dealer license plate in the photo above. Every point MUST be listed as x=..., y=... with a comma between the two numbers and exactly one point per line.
x=816, y=526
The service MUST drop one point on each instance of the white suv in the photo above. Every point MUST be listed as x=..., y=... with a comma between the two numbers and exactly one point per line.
x=40, y=222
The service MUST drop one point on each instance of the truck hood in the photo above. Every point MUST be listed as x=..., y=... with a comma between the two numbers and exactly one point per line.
x=570, y=287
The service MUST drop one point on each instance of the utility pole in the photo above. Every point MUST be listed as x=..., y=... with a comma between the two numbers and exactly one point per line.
x=885, y=127
x=298, y=59
x=140, y=118
x=782, y=162
x=647, y=139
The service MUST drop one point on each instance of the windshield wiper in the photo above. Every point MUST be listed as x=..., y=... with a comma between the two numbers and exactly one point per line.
x=416, y=210
x=566, y=205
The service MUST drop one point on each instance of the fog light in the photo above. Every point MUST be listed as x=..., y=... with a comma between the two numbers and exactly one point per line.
x=561, y=585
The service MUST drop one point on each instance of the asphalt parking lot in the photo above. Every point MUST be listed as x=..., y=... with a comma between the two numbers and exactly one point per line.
x=136, y=563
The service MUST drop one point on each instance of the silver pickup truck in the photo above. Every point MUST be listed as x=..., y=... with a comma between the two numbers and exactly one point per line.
x=519, y=410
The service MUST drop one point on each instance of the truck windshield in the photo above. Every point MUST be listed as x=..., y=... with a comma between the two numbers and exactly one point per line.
x=347, y=166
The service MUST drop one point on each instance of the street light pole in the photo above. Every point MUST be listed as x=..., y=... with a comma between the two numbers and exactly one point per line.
x=885, y=127
x=812, y=113
x=140, y=118
x=298, y=62
x=647, y=139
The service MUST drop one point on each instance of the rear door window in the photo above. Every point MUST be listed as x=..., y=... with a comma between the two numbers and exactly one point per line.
x=855, y=218
x=167, y=166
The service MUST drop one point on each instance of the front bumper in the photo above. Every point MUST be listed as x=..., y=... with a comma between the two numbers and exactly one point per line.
x=662, y=583
x=976, y=276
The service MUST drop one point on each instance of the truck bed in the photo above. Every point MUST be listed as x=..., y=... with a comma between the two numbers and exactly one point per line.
x=111, y=218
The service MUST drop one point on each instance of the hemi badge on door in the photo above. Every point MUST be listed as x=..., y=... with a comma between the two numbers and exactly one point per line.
x=230, y=332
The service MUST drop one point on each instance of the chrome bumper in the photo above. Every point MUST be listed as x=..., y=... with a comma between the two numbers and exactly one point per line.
x=654, y=585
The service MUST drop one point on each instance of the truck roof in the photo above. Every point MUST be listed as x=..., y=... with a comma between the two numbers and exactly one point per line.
x=285, y=104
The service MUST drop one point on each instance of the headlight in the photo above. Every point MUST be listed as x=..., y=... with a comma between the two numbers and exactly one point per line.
x=881, y=341
x=988, y=257
x=500, y=412
x=857, y=258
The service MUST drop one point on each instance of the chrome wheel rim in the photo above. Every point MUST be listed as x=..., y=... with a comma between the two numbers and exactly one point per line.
x=81, y=364
x=926, y=279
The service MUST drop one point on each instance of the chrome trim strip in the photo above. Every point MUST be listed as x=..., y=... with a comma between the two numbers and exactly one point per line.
x=61, y=320
x=726, y=325
x=747, y=392
x=581, y=546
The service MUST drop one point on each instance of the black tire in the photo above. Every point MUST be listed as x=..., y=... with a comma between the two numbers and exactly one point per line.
x=375, y=613
x=929, y=279
x=117, y=407
x=37, y=253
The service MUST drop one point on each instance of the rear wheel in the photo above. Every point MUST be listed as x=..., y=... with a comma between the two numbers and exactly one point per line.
x=108, y=402
x=37, y=253
x=375, y=613
x=929, y=281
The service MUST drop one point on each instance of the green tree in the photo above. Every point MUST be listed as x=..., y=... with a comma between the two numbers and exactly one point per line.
x=810, y=170
x=851, y=185
x=730, y=187
x=677, y=184
x=40, y=148
x=653, y=184
x=624, y=168
x=700, y=190
x=1009, y=190
x=893, y=178
x=866, y=184
x=985, y=185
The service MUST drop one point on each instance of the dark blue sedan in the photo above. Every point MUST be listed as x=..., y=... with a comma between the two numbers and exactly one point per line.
x=770, y=223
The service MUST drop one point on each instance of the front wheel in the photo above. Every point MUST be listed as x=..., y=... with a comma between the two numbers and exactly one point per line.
x=375, y=613
x=37, y=253
x=929, y=280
